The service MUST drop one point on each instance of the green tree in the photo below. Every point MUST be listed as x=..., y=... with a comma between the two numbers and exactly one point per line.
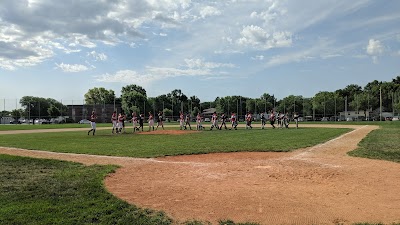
x=100, y=95
x=37, y=107
x=5, y=113
x=133, y=95
x=167, y=112
x=17, y=113
x=179, y=101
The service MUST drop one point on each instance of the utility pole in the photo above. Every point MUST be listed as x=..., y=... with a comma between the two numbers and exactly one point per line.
x=380, y=103
x=345, y=109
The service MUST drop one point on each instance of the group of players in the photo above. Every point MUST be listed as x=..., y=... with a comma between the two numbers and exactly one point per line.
x=118, y=121
x=281, y=118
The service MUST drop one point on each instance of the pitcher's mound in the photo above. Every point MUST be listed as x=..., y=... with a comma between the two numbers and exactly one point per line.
x=170, y=132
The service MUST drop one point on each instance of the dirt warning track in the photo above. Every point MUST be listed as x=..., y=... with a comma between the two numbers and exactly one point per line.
x=316, y=185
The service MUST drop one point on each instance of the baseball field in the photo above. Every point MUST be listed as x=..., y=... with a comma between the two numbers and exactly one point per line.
x=317, y=174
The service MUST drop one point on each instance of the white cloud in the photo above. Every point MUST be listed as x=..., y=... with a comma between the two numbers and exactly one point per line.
x=198, y=63
x=192, y=68
x=258, y=57
x=375, y=49
x=257, y=37
x=97, y=56
x=209, y=11
x=122, y=76
x=72, y=68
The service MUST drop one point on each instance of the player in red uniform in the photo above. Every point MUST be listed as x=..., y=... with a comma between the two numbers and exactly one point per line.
x=93, y=118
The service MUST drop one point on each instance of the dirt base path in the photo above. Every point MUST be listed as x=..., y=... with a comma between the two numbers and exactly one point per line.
x=316, y=185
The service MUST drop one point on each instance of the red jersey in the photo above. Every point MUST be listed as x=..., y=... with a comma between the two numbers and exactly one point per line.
x=93, y=118
x=114, y=117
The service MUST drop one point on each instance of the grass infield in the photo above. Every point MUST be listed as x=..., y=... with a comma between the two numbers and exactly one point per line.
x=138, y=145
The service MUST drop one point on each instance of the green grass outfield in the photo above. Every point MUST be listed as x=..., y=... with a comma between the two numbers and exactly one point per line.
x=138, y=145
x=38, y=191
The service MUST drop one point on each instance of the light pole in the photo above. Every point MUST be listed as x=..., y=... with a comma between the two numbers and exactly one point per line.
x=380, y=103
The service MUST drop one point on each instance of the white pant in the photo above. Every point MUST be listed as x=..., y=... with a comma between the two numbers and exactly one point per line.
x=93, y=124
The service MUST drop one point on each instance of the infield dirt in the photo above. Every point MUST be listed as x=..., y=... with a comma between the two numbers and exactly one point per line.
x=316, y=185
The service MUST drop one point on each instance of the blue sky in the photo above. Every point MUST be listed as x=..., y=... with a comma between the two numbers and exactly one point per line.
x=60, y=49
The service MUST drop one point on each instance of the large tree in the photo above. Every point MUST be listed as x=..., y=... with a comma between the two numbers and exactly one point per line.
x=100, y=95
x=38, y=107
x=134, y=95
x=179, y=101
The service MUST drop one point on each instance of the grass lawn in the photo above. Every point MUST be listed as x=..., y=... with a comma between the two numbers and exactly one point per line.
x=136, y=145
x=37, y=191
x=47, y=126
x=41, y=191
x=382, y=144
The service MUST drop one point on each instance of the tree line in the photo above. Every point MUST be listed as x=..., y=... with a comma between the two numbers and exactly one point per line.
x=134, y=98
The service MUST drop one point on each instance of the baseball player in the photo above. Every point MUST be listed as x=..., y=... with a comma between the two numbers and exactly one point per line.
x=187, y=121
x=296, y=119
x=234, y=121
x=214, y=121
x=151, y=121
x=198, y=121
x=223, y=118
x=181, y=120
x=114, y=119
x=134, y=121
x=249, y=118
x=120, y=123
x=263, y=120
x=272, y=119
x=160, y=120
x=141, y=121
x=93, y=118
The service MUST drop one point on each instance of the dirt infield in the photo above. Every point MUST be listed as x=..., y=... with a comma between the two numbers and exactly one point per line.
x=316, y=185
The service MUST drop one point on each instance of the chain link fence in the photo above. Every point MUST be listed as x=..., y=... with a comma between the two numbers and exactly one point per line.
x=350, y=108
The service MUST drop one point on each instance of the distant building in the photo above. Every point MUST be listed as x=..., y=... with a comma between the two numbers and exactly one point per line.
x=355, y=115
x=6, y=119
x=364, y=115
x=207, y=113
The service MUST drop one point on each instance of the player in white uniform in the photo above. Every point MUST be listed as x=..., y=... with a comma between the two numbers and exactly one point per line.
x=114, y=120
x=134, y=122
x=151, y=121
x=120, y=123
x=234, y=121
x=214, y=121
x=181, y=120
x=187, y=121
x=198, y=121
